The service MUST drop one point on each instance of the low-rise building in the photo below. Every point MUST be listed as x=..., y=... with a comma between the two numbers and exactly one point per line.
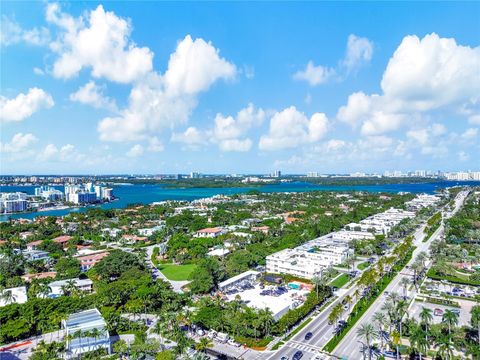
x=57, y=287
x=247, y=276
x=79, y=328
x=35, y=255
x=307, y=263
x=209, y=232
x=88, y=261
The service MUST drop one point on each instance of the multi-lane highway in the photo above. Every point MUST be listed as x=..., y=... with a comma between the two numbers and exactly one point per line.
x=349, y=347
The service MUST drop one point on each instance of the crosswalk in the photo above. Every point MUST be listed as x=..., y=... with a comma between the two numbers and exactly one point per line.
x=304, y=347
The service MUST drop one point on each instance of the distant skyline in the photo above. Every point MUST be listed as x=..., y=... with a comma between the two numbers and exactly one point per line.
x=220, y=88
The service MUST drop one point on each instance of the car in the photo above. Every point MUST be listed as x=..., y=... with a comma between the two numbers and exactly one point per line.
x=456, y=311
x=284, y=358
x=233, y=343
x=308, y=335
x=200, y=332
x=346, y=307
x=390, y=354
x=438, y=312
x=298, y=355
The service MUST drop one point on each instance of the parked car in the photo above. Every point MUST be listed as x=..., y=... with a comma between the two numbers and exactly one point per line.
x=233, y=343
x=308, y=335
x=284, y=358
x=456, y=311
x=200, y=332
x=298, y=355
x=438, y=312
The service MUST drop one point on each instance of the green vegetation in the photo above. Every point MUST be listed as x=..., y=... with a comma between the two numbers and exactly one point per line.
x=363, y=265
x=432, y=225
x=373, y=282
x=177, y=272
x=340, y=281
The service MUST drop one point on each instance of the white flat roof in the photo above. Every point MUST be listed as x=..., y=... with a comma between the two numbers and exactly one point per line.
x=238, y=278
x=87, y=319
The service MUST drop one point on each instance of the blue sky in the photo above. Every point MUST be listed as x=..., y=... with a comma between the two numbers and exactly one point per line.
x=158, y=87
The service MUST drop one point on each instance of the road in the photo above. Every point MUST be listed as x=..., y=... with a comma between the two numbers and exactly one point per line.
x=349, y=347
x=323, y=332
x=176, y=285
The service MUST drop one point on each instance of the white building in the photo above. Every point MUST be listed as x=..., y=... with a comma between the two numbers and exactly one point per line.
x=307, y=263
x=422, y=201
x=57, y=287
x=13, y=202
x=16, y=295
x=49, y=193
x=78, y=324
x=209, y=232
x=150, y=231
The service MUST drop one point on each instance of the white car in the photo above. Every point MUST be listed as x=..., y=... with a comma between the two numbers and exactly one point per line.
x=200, y=332
x=233, y=343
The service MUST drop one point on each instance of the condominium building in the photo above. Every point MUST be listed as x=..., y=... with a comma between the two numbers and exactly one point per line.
x=307, y=263
x=13, y=202
x=49, y=193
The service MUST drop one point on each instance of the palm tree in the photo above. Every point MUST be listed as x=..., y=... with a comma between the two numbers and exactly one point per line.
x=451, y=319
x=426, y=319
x=368, y=333
x=418, y=341
x=475, y=320
x=203, y=344
x=317, y=281
x=380, y=320
x=445, y=347
x=335, y=313
x=404, y=283
x=8, y=297
x=159, y=329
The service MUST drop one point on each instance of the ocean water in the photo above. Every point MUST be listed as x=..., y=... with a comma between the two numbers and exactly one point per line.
x=146, y=194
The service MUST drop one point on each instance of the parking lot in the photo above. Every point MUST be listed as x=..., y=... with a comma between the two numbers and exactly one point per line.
x=279, y=299
x=463, y=319
x=447, y=289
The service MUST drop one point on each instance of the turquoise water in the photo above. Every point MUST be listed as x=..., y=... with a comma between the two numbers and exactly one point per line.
x=147, y=194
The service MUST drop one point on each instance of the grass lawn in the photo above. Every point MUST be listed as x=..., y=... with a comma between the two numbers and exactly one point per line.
x=177, y=272
x=340, y=281
x=363, y=265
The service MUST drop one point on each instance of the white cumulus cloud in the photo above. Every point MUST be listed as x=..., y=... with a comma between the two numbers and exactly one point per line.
x=422, y=75
x=92, y=94
x=290, y=128
x=315, y=75
x=100, y=40
x=359, y=52
x=12, y=33
x=158, y=102
x=19, y=142
x=24, y=105
x=135, y=151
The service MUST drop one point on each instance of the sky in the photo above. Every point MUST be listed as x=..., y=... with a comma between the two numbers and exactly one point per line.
x=239, y=87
